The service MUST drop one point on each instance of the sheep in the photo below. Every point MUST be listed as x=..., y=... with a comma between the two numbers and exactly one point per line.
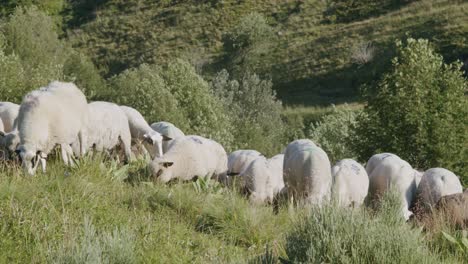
x=53, y=115
x=8, y=114
x=238, y=161
x=263, y=179
x=307, y=172
x=107, y=128
x=141, y=132
x=168, y=131
x=350, y=183
x=435, y=183
x=190, y=157
x=394, y=172
x=9, y=137
x=375, y=160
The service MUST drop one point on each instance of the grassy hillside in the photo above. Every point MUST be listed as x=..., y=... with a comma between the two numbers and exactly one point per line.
x=103, y=213
x=310, y=60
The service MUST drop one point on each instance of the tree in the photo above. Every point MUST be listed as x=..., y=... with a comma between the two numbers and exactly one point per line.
x=254, y=109
x=418, y=111
x=246, y=41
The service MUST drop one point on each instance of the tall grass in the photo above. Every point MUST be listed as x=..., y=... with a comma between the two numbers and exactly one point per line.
x=99, y=212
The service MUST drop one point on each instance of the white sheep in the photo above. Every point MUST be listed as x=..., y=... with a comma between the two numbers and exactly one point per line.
x=168, y=131
x=53, y=115
x=9, y=138
x=190, y=157
x=394, y=172
x=142, y=133
x=8, y=114
x=375, y=160
x=350, y=183
x=307, y=172
x=107, y=128
x=435, y=183
x=263, y=179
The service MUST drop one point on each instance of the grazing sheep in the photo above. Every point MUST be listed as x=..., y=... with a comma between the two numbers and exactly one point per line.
x=239, y=160
x=435, y=183
x=8, y=114
x=142, y=133
x=263, y=179
x=394, y=172
x=350, y=183
x=107, y=128
x=168, y=131
x=9, y=138
x=375, y=160
x=307, y=172
x=189, y=157
x=53, y=115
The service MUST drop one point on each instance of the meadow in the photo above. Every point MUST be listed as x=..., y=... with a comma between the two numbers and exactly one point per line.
x=99, y=212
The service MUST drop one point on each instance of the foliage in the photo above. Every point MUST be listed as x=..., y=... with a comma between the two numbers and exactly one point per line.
x=418, y=110
x=347, y=11
x=339, y=235
x=174, y=93
x=93, y=247
x=32, y=55
x=255, y=111
x=460, y=243
x=247, y=40
x=78, y=68
x=333, y=133
x=51, y=7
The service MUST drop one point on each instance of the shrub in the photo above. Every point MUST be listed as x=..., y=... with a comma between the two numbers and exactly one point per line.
x=418, y=111
x=255, y=111
x=339, y=235
x=347, y=11
x=174, y=93
x=248, y=39
x=333, y=133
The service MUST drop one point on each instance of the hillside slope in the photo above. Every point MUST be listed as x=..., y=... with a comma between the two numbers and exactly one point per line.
x=310, y=61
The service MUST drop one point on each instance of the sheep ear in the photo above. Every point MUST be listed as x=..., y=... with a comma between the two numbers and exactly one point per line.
x=148, y=139
x=167, y=164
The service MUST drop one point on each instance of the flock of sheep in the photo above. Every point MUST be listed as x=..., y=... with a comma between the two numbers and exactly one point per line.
x=59, y=116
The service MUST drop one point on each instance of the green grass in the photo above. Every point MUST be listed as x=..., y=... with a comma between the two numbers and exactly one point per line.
x=100, y=212
x=310, y=61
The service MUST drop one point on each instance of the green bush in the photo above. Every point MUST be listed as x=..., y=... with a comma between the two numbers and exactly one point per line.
x=174, y=93
x=347, y=11
x=246, y=41
x=52, y=7
x=340, y=235
x=32, y=55
x=418, y=111
x=255, y=112
x=333, y=133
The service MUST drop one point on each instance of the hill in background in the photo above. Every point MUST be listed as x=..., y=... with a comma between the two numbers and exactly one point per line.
x=313, y=59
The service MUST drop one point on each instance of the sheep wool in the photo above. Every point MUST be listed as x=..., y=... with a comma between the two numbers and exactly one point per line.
x=169, y=132
x=350, y=183
x=142, y=133
x=8, y=114
x=393, y=172
x=107, y=128
x=307, y=172
x=190, y=157
x=436, y=183
x=53, y=115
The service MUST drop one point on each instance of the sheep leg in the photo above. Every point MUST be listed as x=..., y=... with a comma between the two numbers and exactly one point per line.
x=64, y=154
x=82, y=137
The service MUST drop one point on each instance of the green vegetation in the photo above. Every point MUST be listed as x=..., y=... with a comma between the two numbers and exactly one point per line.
x=417, y=110
x=101, y=213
